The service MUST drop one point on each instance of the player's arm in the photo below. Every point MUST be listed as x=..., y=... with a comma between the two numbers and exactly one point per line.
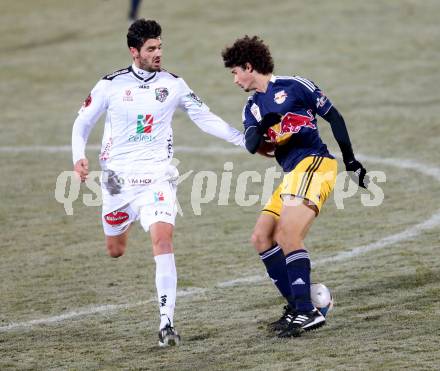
x=316, y=100
x=93, y=107
x=340, y=133
x=255, y=140
x=207, y=121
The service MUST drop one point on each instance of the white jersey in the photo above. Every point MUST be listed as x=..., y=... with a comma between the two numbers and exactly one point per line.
x=138, y=136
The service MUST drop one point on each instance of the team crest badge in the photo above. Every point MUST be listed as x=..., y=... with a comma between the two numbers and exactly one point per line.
x=161, y=94
x=280, y=97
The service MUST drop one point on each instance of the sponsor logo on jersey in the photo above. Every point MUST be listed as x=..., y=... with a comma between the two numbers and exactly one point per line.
x=127, y=96
x=158, y=196
x=280, y=97
x=144, y=124
x=290, y=124
x=144, y=129
x=157, y=212
x=87, y=101
x=195, y=98
x=144, y=86
x=116, y=217
x=140, y=138
x=255, y=110
x=161, y=94
x=139, y=181
x=321, y=101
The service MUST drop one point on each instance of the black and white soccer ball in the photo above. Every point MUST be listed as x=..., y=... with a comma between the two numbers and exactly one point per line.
x=322, y=298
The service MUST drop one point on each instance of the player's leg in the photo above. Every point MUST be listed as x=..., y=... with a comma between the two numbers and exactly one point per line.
x=304, y=192
x=264, y=231
x=272, y=255
x=295, y=221
x=116, y=225
x=166, y=274
x=159, y=217
x=166, y=280
x=133, y=12
x=116, y=245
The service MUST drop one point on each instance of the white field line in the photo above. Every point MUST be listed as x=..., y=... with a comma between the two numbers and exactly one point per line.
x=108, y=308
x=407, y=234
x=96, y=147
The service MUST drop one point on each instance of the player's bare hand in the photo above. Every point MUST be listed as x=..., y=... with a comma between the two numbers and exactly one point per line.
x=82, y=169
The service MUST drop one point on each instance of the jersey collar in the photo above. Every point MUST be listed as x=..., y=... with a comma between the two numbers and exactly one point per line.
x=270, y=82
x=141, y=74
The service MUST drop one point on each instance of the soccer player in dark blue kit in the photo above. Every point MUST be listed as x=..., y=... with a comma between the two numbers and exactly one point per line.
x=134, y=9
x=281, y=117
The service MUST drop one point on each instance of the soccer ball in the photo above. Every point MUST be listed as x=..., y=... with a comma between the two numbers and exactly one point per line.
x=321, y=298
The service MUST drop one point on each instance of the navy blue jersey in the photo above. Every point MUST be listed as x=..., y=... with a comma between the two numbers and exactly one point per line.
x=296, y=95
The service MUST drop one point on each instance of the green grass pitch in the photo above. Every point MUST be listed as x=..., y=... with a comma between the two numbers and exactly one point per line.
x=376, y=60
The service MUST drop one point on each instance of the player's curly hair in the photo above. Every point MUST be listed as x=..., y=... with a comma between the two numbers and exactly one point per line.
x=249, y=50
x=142, y=30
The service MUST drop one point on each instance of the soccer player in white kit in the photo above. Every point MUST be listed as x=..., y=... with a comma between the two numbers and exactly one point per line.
x=139, y=181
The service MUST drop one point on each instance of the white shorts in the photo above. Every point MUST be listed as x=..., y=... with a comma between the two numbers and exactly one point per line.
x=150, y=204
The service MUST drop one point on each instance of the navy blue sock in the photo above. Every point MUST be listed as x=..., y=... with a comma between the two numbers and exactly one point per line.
x=275, y=263
x=298, y=270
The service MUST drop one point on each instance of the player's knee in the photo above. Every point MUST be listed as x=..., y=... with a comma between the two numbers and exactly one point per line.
x=115, y=250
x=162, y=246
x=288, y=238
x=116, y=254
x=261, y=241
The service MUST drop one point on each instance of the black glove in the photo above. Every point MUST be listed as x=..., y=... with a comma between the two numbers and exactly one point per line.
x=357, y=173
x=270, y=119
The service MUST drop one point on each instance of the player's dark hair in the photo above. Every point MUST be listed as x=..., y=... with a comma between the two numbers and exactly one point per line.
x=249, y=50
x=142, y=30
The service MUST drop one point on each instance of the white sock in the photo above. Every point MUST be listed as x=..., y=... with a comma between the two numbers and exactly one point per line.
x=166, y=285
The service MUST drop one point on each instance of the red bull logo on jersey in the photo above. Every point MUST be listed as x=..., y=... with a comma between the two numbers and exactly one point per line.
x=280, y=97
x=116, y=217
x=290, y=124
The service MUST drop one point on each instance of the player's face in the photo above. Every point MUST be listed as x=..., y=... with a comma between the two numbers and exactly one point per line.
x=149, y=57
x=244, y=78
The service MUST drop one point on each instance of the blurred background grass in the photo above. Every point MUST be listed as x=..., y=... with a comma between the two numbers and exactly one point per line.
x=377, y=61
